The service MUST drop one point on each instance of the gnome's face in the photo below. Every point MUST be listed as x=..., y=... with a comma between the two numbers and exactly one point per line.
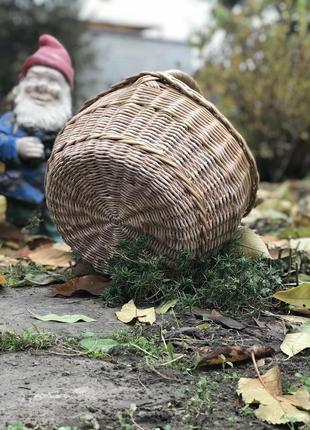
x=43, y=99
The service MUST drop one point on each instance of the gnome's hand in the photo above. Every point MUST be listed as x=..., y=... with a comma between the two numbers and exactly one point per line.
x=30, y=147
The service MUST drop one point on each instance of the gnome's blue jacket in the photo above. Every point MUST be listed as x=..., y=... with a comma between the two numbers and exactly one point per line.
x=22, y=180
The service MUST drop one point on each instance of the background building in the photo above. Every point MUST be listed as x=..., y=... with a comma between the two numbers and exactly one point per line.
x=121, y=50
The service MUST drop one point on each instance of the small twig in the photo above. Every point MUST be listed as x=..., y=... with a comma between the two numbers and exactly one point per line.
x=172, y=361
x=68, y=355
x=68, y=348
x=290, y=261
x=143, y=350
x=163, y=338
x=296, y=275
x=161, y=375
x=141, y=383
x=257, y=371
x=135, y=423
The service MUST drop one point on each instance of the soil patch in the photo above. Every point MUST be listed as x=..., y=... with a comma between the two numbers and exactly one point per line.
x=16, y=303
x=48, y=389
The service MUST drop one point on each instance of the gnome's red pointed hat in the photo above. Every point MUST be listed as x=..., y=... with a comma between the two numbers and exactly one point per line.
x=53, y=54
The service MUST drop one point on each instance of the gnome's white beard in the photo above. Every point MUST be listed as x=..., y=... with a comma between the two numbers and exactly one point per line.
x=49, y=115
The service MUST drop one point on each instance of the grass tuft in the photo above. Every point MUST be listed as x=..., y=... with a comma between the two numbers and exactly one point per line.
x=225, y=280
x=17, y=426
x=12, y=342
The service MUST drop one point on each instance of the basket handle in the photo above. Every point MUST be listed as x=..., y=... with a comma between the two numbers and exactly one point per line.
x=184, y=77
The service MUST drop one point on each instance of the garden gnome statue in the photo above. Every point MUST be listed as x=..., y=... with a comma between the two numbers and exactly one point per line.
x=42, y=105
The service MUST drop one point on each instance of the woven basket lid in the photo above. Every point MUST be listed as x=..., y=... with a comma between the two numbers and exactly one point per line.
x=149, y=156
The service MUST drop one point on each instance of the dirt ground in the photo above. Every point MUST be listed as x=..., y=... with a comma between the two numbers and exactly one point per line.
x=46, y=389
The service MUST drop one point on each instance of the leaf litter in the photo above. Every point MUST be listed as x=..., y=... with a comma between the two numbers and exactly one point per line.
x=71, y=319
x=53, y=254
x=297, y=296
x=92, y=284
x=297, y=341
x=165, y=307
x=129, y=313
x=230, y=354
x=251, y=243
x=37, y=279
x=225, y=321
x=98, y=344
x=274, y=406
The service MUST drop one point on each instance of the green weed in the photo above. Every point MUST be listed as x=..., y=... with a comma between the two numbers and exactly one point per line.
x=20, y=275
x=225, y=280
x=17, y=426
x=153, y=349
x=247, y=411
x=305, y=380
x=200, y=405
x=134, y=341
x=126, y=419
x=232, y=419
x=230, y=376
x=20, y=426
x=11, y=342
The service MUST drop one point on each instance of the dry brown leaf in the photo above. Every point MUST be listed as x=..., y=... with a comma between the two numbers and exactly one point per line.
x=10, y=232
x=278, y=248
x=274, y=407
x=34, y=242
x=93, y=284
x=300, y=310
x=3, y=280
x=56, y=255
x=272, y=328
x=6, y=261
x=130, y=312
x=223, y=320
x=231, y=354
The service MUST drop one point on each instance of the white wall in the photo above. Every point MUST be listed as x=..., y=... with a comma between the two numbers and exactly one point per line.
x=120, y=54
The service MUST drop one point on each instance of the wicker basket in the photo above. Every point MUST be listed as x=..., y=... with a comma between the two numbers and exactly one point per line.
x=149, y=156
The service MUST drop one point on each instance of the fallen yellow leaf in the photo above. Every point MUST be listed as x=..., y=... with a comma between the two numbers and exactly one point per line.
x=56, y=254
x=147, y=315
x=274, y=407
x=130, y=312
x=251, y=243
x=297, y=296
x=296, y=342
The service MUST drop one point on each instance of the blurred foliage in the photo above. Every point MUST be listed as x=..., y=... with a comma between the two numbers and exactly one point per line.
x=21, y=24
x=256, y=69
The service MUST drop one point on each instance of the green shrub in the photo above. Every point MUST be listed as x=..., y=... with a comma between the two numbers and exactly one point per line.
x=226, y=279
x=259, y=76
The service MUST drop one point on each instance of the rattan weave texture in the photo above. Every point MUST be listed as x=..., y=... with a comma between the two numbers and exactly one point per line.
x=149, y=156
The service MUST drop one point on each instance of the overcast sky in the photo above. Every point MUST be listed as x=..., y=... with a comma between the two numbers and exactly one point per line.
x=174, y=19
